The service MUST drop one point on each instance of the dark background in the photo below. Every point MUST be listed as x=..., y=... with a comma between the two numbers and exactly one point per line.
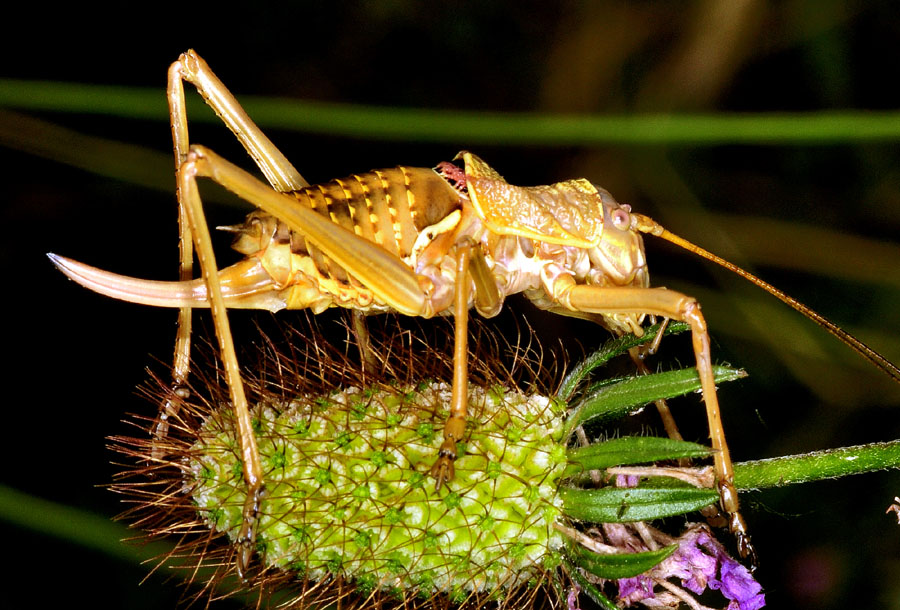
x=824, y=227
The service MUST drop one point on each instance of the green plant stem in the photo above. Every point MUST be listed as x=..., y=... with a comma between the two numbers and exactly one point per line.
x=77, y=526
x=99, y=533
x=413, y=124
x=606, y=505
x=103, y=156
x=816, y=466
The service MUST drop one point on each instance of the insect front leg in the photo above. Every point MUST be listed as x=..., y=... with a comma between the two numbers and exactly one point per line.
x=674, y=305
x=662, y=407
x=638, y=354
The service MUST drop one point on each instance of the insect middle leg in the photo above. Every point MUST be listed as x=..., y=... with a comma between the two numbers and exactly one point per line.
x=455, y=426
x=471, y=268
x=674, y=305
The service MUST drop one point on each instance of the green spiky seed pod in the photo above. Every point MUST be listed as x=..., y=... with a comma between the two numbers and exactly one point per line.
x=346, y=489
x=350, y=513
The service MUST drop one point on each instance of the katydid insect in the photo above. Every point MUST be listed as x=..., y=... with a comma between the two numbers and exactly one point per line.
x=419, y=242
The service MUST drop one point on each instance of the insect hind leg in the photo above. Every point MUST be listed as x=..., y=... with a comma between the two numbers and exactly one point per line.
x=190, y=67
x=189, y=199
x=280, y=173
x=283, y=177
x=181, y=365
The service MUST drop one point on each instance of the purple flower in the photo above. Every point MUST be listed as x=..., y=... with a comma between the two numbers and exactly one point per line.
x=572, y=598
x=690, y=563
x=698, y=562
x=738, y=585
x=633, y=590
x=627, y=480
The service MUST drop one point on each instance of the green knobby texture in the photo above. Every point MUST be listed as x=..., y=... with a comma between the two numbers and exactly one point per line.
x=346, y=489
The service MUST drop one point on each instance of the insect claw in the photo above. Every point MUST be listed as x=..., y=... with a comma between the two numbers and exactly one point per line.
x=246, y=539
x=894, y=508
x=245, y=554
x=443, y=470
x=747, y=551
x=160, y=431
x=170, y=408
x=736, y=524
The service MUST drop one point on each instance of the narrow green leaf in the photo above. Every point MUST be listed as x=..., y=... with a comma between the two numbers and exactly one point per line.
x=618, y=400
x=427, y=125
x=618, y=505
x=608, y=351
x=592, y=591
x=106, y=157
x=621, y=565
x=630, y=450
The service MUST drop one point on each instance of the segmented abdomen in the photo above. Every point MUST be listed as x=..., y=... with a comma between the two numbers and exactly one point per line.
x=389, y=207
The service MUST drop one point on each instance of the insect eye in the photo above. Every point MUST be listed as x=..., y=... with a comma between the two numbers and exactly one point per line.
x=621, y=219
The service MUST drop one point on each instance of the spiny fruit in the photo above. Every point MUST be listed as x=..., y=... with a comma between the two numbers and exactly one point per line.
x=350, y=513
x=347, y=489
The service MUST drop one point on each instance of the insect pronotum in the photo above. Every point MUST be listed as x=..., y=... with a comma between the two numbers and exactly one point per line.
x=416, y=241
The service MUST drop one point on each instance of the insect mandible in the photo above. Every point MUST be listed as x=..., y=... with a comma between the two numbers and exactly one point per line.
x=416, y=241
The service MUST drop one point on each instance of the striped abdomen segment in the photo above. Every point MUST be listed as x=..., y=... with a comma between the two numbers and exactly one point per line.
x=389, y=207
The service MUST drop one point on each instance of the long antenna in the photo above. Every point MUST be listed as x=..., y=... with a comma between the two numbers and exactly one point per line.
x=645, y=224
